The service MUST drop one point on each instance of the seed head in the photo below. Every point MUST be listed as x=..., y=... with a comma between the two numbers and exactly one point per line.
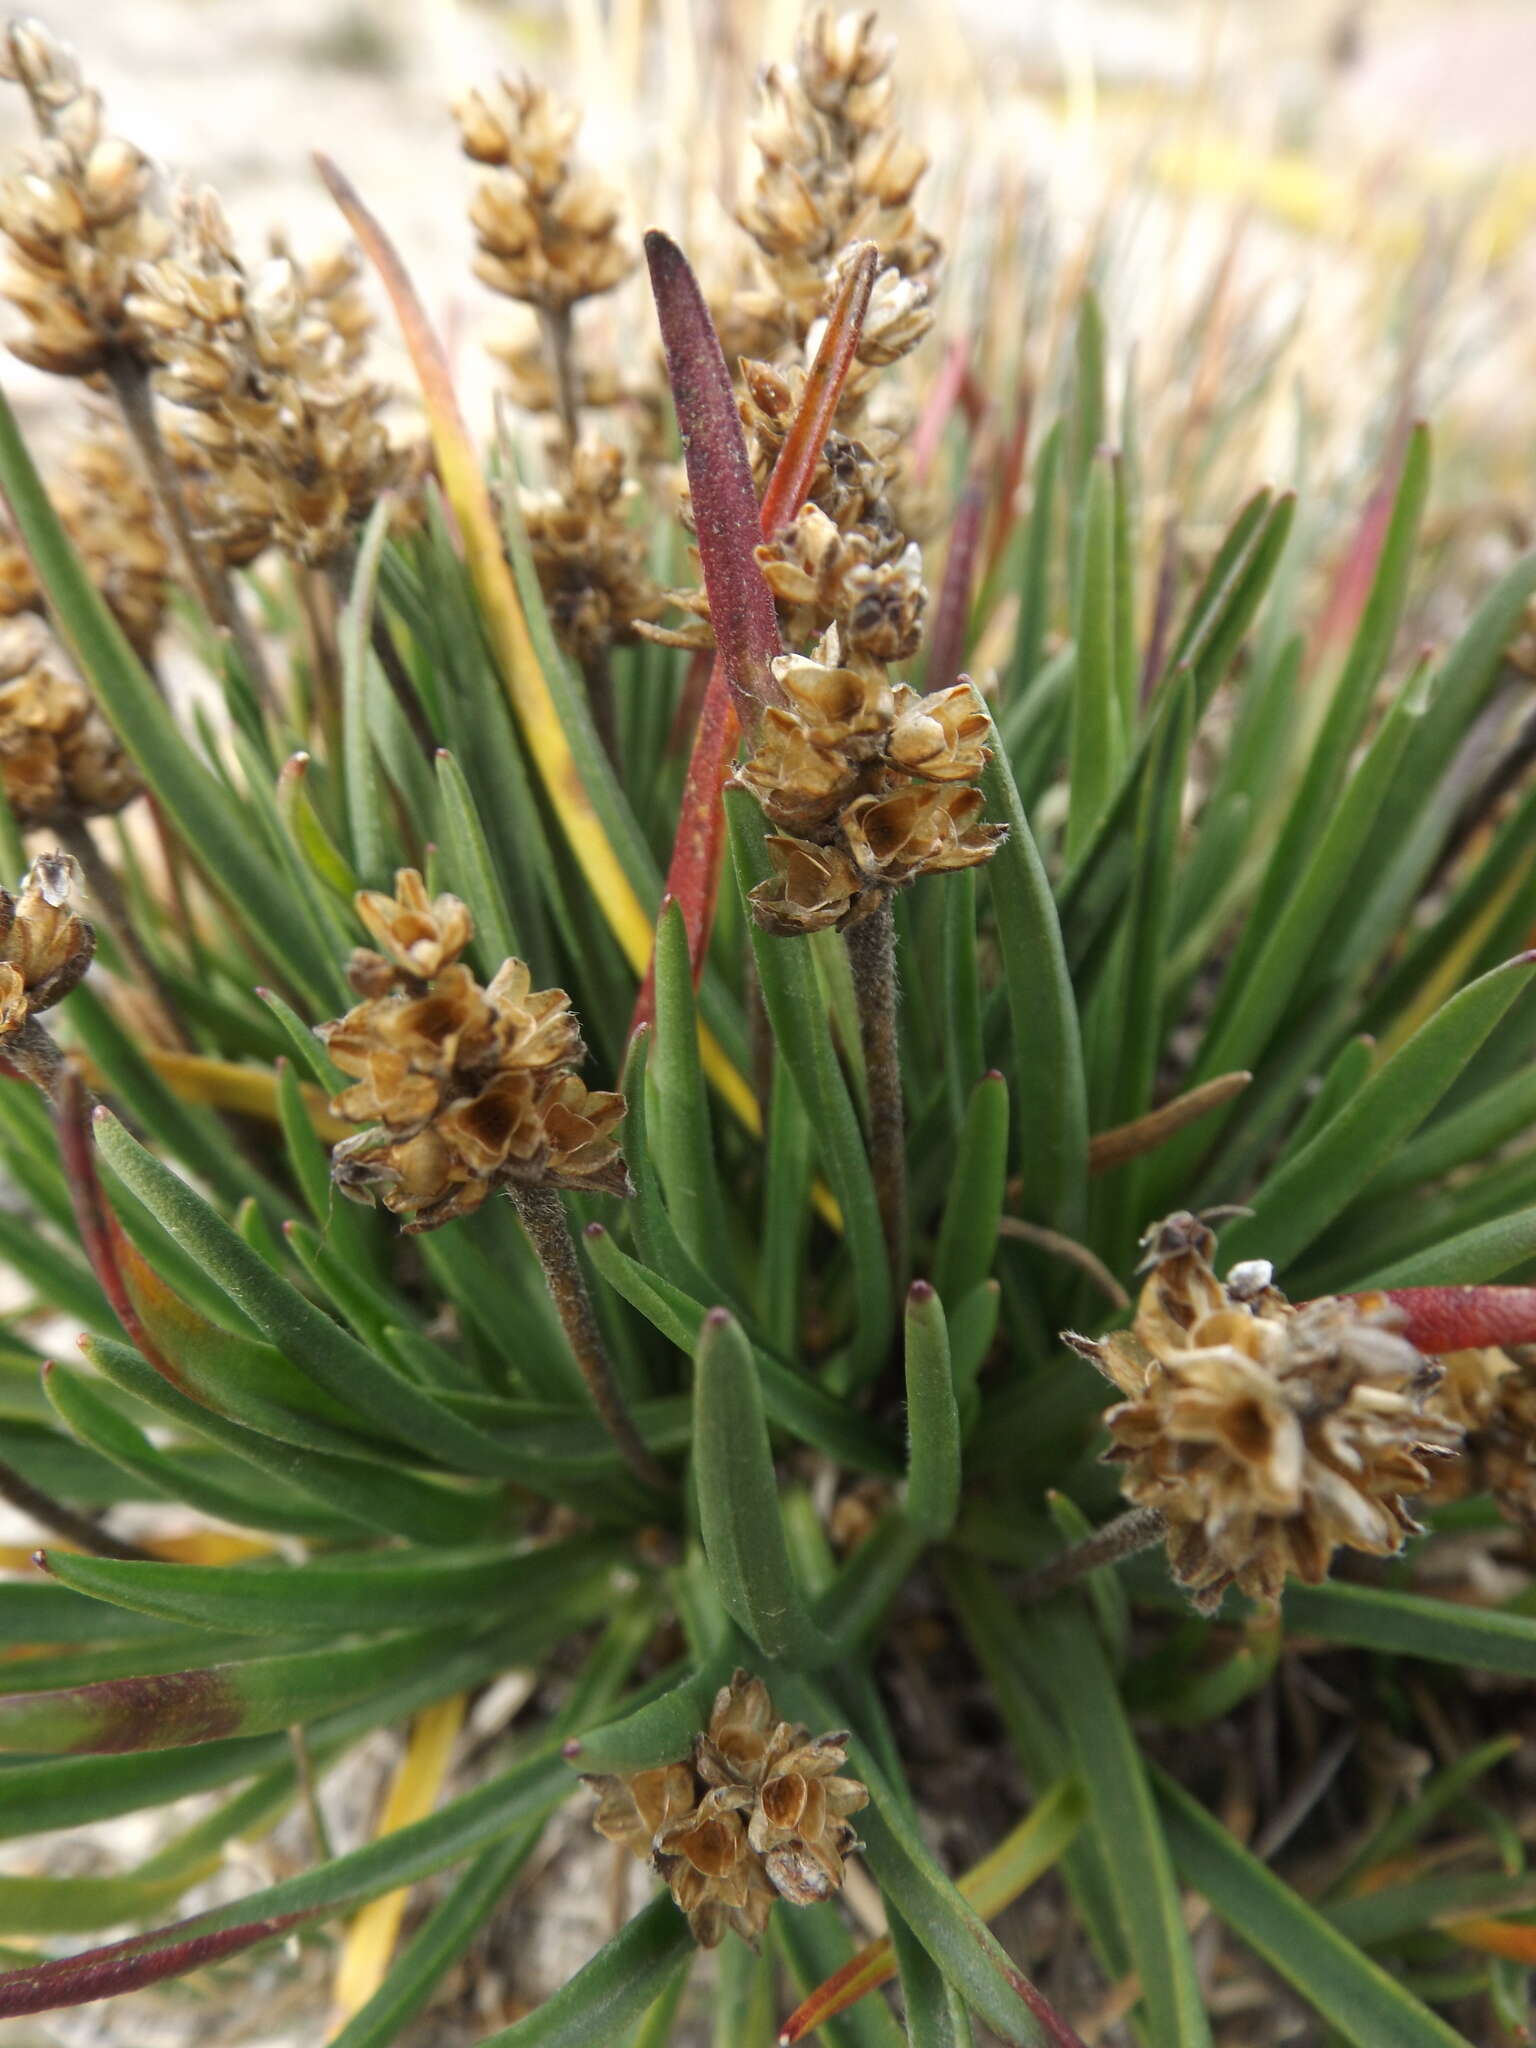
x=465, y=1089
x=278, y=434
x=1268, y=1436
x=547, y=229
x=78, y=215
x=59, y=759
x=869, y=784
x=590, y=556
x=44, y=947
x=759, y=1812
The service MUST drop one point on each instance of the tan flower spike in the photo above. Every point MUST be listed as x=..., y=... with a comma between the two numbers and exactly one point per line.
x=59, y=759
x=1266, y=1436
x=761, y=1812
x=465, y=1089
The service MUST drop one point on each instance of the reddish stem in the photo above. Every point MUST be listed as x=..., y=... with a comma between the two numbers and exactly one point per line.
x=693, y=875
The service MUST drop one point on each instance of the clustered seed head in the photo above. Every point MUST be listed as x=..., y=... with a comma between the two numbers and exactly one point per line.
x=548, y=229
x=59, y=759
x=838, y=170
x=78, y=217
x=1267, y=1435
x=590, y=556
x=44, y=947
x=108, y=512
x=869, y=784
x=1491, y=1394
x=466, y=1089
x=759, y=1813
x=279, y=436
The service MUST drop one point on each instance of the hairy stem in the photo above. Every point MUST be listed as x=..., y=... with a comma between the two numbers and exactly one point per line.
x=215, y=593
x=872, y=952
x=542, y=1216
x=110, y=907
x=1137, y=1529
x=63, y=1521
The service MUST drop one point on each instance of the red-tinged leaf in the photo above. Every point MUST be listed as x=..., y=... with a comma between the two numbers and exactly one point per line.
x=130, y=1965
x=1460, y=1318
x=1514, y=1939
x=693, y=876
x=946, y=651
x=725, y=509
x=101, y=1235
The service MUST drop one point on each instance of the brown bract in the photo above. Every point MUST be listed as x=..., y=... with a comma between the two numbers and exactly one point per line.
x=59, y=759
x=1491, y=1395
x=465, y=1089
x=1267, y=1436
x=44, y=947
x=278, y=434
x=761, y=1812
x=590, y=555
x=78, y=215
x=547, y=229
x=869, y=784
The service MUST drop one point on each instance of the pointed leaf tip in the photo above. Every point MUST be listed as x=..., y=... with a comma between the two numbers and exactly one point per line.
x=726, y=513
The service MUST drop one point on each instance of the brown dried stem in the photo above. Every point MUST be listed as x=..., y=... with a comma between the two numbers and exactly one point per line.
x=872, y=953
x=130, y=384
x=556, y=327
x=1137, y=1529
x=542, y=1216
x=64, y=1521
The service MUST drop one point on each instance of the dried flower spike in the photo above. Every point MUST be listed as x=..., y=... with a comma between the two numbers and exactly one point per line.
x=279, y=437
x=590, y=556
x=548, y=230
x=465, y=1089
x=870, y=785
x=77, y=215
x=60, y=761
x=45, y=948
x=1267, y=1436
x=759, y=1813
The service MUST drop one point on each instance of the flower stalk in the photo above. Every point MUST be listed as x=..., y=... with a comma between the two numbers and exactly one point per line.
x=872, y=954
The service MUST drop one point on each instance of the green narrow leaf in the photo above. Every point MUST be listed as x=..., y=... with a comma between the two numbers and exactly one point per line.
x=472, y=869
x=1411, y=1625
x=786, y=1213
x=1486, y=1252
x=1299, y=1201
x=381, y=1589
x=1331, y=1974
x=933, y=1421
x=335, y=1361
x=613, y=1989
x=961, y=1945
x=1035, y=584
x=1049, y=1096
x=738, y=1500
x=800, y=1030
x=82, y=1409
x=967, y=1244
x=175, y=1708
x=1097, y=738
x=793, y=1401
x=360, y=775
x=1075, y=1672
